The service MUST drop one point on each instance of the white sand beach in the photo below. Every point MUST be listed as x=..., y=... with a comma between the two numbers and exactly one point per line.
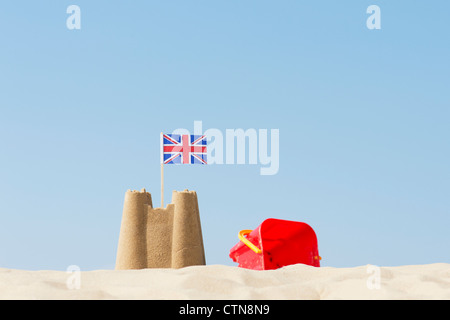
x=212, y=282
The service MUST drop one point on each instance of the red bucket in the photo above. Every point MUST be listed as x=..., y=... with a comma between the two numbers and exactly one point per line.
x=276, y=243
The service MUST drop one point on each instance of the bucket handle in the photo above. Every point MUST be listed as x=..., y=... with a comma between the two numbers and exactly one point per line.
x=242, y=237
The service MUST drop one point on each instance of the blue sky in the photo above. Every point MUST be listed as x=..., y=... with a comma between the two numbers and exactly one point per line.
x=363, y=118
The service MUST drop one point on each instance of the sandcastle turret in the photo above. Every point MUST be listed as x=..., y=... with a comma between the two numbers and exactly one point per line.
x=168, y=237
x=187, y=240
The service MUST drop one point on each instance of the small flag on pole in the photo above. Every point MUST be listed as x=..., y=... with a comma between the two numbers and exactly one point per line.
x=183, y=149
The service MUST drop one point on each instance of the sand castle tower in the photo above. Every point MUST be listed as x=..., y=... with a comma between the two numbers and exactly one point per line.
x=168, y=237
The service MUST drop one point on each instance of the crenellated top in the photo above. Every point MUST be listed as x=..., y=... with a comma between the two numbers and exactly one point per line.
x=169, y=237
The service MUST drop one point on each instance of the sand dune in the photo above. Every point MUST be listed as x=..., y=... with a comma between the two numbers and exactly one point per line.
x=224, y=282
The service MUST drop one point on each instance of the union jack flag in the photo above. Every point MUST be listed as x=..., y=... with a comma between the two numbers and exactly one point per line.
x=183, y=149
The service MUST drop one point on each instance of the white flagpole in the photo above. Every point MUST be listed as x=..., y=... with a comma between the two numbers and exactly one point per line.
x=162, y=170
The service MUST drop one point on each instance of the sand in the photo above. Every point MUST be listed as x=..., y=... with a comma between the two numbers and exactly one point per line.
x=169, y=237
x=212, y=282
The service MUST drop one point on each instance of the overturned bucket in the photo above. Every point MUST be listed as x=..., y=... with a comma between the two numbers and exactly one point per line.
x=276, y=243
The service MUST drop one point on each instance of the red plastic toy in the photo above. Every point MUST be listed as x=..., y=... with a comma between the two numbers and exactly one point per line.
x=276, y=243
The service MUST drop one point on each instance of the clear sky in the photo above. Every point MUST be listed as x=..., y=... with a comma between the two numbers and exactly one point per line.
x=363, y=117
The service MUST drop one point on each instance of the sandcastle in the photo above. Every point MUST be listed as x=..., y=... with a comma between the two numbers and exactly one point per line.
x=168, y=237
